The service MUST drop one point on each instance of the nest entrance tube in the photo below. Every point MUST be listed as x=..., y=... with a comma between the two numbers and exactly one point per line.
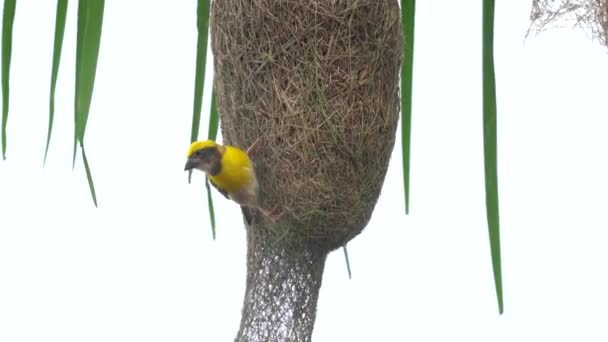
x=283, y=283
x=317, y=81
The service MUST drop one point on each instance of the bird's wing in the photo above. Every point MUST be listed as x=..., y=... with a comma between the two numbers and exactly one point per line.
x=220, y=190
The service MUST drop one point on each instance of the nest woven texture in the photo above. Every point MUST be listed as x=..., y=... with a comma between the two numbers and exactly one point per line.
x=591, y=15
x=318, y=82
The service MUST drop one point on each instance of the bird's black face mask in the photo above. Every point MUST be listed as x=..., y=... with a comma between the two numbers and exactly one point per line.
x=207, y=160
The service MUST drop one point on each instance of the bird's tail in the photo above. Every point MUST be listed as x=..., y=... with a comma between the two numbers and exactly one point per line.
x=247, y=214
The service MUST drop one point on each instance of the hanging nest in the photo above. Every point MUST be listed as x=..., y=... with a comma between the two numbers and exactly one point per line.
x=318, y=82
x=591, y=15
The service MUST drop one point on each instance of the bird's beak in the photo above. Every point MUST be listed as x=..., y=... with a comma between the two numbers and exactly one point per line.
x=190, y=164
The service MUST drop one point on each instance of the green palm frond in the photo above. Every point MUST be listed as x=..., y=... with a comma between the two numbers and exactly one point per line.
x=202, y=25
x=212, y=135
x=62, y=9
x=88, y=39
x=489, y=144
x=408, y=15
x=7, y=47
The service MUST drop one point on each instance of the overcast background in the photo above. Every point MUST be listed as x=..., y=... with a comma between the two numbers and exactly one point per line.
x=143, y=266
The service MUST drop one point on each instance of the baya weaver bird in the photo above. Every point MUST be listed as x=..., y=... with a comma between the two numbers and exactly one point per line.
x=231, y=172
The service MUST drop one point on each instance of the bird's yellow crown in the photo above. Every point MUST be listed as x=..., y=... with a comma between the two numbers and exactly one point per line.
x=199, y=145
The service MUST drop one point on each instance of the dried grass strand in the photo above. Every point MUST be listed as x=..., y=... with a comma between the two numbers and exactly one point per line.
x=590, y=15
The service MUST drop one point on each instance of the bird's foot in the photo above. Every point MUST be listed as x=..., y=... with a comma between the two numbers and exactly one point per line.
x=254, y=147
x=272, y=215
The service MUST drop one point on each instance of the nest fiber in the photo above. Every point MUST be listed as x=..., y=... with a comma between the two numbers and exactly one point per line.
x=591, y=15
x=318, y=82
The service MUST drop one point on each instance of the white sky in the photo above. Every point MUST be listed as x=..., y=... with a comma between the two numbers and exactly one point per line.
x=143, y=266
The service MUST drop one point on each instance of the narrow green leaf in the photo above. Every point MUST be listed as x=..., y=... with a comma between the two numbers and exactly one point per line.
x=408, y=15
x=347, y=261
x=90, y=19
x=213, y=117
x=202, y=25
x=212, y=134
x=88, y=38
x=62, y=9
x=87, y=169
x=74, y=149
x=7, y=46
x=489, y=144
x=210, y=204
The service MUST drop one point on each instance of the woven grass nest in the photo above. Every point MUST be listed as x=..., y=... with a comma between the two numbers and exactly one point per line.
x=591, y=15
x=318, y=82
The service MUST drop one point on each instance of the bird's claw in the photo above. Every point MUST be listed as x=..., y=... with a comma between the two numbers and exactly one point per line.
x=254, y=147
x=272, y=215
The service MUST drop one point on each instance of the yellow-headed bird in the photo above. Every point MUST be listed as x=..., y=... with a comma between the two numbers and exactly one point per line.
x=231, y=172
